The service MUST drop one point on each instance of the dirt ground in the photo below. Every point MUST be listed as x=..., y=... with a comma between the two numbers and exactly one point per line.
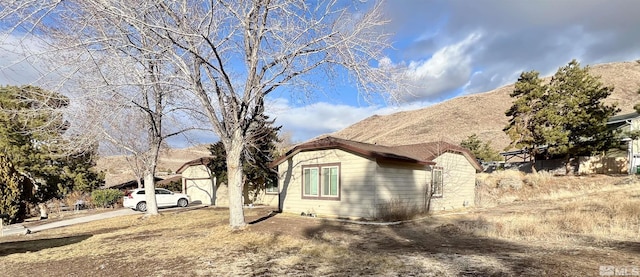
x=435, y=245
x=438, y=238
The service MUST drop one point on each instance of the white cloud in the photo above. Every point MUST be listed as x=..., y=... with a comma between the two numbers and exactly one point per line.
x=306, y=122
x=448, y=69
x=515, y=36
x=16, y=69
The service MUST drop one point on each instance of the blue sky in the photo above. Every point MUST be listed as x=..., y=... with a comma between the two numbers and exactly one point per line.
x=454, y=48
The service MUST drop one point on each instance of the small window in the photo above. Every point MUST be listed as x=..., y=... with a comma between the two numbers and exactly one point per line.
x=272, y=186
x=437, y=182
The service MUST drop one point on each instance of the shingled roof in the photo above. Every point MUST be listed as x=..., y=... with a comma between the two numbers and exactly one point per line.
x=431, y=150
x=422, y=153
x=198, y=161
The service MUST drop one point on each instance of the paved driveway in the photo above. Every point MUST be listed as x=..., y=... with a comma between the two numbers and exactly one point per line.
x=19, y=229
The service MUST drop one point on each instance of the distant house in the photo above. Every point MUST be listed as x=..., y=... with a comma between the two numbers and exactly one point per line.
x=622, y=158
x=202, y=186
x=625, y=161
x=343, y=178
x=131, y=184
x=199, y=182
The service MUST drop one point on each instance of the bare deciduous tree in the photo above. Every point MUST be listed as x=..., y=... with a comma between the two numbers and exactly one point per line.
x=229, y=54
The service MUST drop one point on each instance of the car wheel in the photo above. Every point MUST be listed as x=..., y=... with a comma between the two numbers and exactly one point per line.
x=183, y=202
x=142, y=206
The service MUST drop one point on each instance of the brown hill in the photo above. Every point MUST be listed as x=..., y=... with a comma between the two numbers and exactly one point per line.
x=482, y=114
x=119, y=170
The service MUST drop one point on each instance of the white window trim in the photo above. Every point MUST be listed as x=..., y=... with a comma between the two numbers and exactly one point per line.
x=433, y=183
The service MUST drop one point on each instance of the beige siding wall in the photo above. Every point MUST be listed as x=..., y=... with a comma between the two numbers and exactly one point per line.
x=269, y=199
x=200, y=191
x=459, y=182
x=198, y=184
x=366, y=185
x=407, y=184
x=357, y=181
x=260, y=197
x=198, y=181
x=603, y=165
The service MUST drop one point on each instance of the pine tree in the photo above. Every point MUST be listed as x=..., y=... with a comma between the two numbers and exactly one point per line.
x=581, y=114
x=13, y=189
x=31, y=138
x=256, y=157
x=481, y=150
x=523, y=124
x=528, y=95
x=568, y=116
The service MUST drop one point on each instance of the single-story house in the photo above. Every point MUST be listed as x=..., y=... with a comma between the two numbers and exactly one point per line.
x=131, y=184
x=200, y=183
x=342, y=178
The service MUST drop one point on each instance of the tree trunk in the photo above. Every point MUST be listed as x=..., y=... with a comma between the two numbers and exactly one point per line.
x=151, y=164
x=532, y=159
x=44, y=214
x=234, y=176
x=150, y=193
x=567, y=166
x=534, y=170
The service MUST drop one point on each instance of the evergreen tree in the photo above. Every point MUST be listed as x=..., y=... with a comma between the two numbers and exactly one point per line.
x=218, y=164
x=481, y=150
x=255, y=159
x=567, y=116
x=528, y=94
x=579, y=114
x=13, y=190
x=31, y=138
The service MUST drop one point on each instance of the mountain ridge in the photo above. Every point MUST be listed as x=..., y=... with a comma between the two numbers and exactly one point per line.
x=481, y=113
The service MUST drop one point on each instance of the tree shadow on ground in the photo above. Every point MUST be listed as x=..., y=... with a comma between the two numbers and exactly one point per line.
x=8, y=248
x=632, y=247
x=445, y=243
x=261, y=219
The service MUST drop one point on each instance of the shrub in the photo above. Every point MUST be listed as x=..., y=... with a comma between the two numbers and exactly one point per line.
x=397, y=210
x=538, y=179
x=70, y=199
x=106, y=197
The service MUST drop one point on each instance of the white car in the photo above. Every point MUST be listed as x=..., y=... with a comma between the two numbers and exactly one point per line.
x=136, y=200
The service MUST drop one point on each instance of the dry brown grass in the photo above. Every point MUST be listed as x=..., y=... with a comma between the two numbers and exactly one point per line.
x=568, y=207
x=200, y=239
x=545, y=235
x=397, y=210
x=499, y=187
